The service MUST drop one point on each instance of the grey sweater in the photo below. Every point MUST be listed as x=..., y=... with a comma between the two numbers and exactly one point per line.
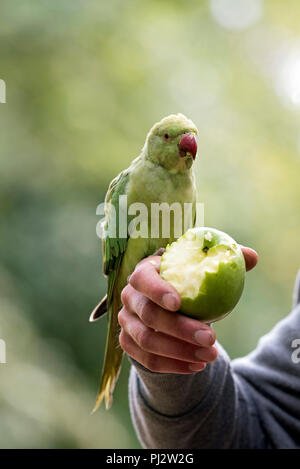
x=251, y=402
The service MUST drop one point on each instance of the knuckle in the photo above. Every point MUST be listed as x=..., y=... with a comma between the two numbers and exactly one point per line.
x=146, y=311
x=121, y=317
x=148, y=317
x=123, y=341
x=125, y=295
x=135, y=277
x=145, y=339
x=179, y=324
x=152, y=362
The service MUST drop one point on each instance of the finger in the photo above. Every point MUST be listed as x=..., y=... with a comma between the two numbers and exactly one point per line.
x=147, y=281
x=170, y=323
x=161, y=344
x=156, y=363
x=251, y=257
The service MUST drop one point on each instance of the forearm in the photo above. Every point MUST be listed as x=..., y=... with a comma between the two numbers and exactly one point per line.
x=251, y=403
x=209, y=409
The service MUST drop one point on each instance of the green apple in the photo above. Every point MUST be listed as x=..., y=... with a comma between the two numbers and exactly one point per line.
x=207, y=268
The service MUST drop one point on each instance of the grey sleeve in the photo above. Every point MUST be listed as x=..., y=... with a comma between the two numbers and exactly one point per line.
x=251, y=402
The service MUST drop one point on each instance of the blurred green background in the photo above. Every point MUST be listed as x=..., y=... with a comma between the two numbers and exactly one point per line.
x=85, y=81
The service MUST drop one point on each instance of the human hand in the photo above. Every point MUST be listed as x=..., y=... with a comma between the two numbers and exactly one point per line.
x=154, y=334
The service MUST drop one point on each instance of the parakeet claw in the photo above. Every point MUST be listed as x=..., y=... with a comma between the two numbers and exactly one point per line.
x=159, y=252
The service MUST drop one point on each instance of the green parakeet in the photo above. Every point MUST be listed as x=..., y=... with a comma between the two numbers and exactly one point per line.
x=162, y=173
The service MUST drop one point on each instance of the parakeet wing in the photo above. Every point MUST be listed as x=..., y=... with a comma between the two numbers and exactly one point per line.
x=113, y=245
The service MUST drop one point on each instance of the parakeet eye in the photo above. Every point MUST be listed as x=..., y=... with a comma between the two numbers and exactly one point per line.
x=166, y=137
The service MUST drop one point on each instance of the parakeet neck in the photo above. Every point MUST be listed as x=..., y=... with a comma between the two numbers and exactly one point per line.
x=145, y=156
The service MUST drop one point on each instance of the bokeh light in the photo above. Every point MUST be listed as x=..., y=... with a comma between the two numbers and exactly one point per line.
x=288, y=78
x=236, y=14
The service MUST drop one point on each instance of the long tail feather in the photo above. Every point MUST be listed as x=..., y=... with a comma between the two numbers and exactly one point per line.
x=112, y=359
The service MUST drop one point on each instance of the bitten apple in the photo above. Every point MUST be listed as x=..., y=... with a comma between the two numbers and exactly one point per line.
x=207, y=268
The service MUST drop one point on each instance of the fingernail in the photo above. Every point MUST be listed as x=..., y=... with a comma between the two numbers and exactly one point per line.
x=197, y=367
x=169, y=301
x=199, y=354
x=203, y=337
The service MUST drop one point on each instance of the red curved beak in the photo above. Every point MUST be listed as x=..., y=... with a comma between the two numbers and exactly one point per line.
x=188, y=144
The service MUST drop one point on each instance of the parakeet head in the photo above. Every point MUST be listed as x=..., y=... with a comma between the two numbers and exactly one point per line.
x=171, y=143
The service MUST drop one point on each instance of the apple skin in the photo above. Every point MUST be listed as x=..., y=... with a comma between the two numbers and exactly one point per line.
x=220, y=291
